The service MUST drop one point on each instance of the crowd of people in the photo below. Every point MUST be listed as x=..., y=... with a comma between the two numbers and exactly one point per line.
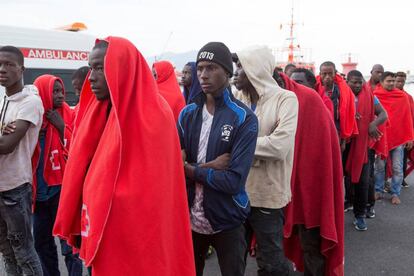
x=141, y=178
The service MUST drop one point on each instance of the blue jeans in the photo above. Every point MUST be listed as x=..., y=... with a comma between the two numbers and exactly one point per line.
x=44, y=219
x=72, y=261
x=397, y=156
x=16, y=240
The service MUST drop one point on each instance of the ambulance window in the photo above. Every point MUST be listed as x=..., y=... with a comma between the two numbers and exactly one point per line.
x=30, y=74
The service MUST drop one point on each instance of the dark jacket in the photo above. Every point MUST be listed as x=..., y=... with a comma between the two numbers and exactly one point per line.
x=233, y=130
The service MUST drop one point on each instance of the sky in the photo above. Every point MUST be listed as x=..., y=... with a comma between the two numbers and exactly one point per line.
x=373, y=31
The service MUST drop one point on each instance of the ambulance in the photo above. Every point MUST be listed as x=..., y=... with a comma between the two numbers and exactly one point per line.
x=58, y=52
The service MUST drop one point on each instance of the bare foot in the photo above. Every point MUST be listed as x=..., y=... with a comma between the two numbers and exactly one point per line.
x=378, y=196
x=395, y=200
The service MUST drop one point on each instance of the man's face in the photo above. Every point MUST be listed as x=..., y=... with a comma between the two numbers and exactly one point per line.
x=186, y=76
x=399, y=83
x=355, y=83
x=10, y=70
x=300, y=78
x=388, y=83
x=327, y=75
x=77, y=85
x=97, y=77
x=58, y=97
x=212, y=77
x=240, y=78
x=376, y=73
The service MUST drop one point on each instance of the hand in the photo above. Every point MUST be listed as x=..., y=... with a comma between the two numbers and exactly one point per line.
x=9, y=128
x=343, y=145
x=358, y=116
x=183, y=155
x=409, y=145
x=55, y=119
x=220, y=163
x=374, y=132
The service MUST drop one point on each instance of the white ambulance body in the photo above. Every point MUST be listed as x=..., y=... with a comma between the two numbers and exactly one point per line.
x=55, y=52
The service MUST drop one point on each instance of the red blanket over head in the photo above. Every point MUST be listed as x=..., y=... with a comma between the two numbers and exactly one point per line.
x=358, y=153
x=347, y=122
x=317, y=196
x=168, y=86
x=55, y=151
x=124, y=189
x=400, y=128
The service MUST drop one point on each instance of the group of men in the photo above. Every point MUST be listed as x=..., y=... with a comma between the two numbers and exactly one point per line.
x=141, y=178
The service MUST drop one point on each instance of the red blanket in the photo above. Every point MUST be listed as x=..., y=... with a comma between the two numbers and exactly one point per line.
x=380, y=146
x=317, y=196
x=400, y=128
x=358, y=153
x=124, y=188
x=168, y=86
x=347, y=122
x=55, y=151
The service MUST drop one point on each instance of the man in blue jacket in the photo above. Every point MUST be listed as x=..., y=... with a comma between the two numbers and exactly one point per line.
x=218, y=137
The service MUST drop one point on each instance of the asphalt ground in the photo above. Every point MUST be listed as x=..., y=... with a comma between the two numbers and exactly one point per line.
x=386, y=248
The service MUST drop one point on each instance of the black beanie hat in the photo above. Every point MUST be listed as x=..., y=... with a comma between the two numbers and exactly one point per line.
x=217, y=52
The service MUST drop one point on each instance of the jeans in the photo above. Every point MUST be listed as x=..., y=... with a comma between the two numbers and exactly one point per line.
x=44, y=219
x=310, y=240
x=267, y=225
x=230, y=246
x=72, y=261
x=397, y=156
x=16, y=240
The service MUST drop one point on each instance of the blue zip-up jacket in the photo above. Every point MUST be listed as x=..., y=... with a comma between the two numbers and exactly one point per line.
x=233, y=130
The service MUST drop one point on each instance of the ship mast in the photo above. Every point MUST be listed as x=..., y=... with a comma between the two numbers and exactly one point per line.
x=291, y=38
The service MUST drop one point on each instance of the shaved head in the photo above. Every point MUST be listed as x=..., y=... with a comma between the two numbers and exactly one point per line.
x=377, y=67
x=376, y=72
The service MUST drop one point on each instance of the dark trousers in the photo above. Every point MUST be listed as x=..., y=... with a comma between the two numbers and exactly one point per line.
x=267, y=225
x=230, y=247
x=371, y=186
x=349, y=191
x=310, y=240
x=361, y=192
x=44, y=219
x=72, y=261
x=16, y=240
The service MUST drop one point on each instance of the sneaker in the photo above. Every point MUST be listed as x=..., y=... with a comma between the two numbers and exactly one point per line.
x=360, y=224
x=210, y=252
x=405, y=184
x=348, y=207
x=370, y=213
x=395, y=200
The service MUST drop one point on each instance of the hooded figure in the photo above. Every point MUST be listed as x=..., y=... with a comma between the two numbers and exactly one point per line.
x=317, y=197
x=55, y=152
x=168, y=86
x=268, y=183
x=123, y=191
x=195, y=88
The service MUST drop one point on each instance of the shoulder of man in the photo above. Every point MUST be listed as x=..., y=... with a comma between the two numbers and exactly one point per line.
x=187, y=111
x=284, y=94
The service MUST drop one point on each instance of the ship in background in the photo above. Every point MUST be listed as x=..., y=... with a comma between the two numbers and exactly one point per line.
x=293, y=53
